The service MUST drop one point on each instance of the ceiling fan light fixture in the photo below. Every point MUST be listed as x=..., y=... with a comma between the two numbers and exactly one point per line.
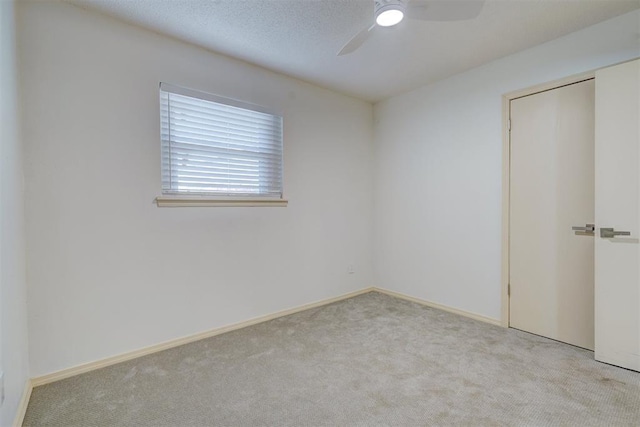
x=389, y=13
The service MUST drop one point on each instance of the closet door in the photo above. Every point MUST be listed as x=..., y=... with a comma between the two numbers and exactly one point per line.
x=551, y=191
x=617, y=275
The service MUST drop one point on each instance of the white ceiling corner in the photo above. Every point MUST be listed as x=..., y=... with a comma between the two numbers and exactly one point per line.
x=300, y=38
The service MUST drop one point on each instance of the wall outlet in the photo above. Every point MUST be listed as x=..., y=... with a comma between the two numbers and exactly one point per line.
x=350, y=269
x=1, y=388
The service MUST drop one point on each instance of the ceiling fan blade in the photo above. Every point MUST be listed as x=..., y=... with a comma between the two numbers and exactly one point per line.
x=444, y=10
x=356, y=41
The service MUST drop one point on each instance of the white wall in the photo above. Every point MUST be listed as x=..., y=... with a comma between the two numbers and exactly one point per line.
x=14, y=357
x=438, y=164
x=108, y=271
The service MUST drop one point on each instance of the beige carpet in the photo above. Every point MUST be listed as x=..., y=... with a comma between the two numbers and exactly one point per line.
x=367, y=361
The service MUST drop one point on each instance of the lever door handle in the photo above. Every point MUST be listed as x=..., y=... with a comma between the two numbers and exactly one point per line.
x=608, y=233
x=587, y=230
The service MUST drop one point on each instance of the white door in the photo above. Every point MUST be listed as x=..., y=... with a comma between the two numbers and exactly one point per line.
x=617, y=276
x=552, y=189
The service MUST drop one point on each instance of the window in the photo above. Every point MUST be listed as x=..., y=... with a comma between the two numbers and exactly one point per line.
x=218, y=147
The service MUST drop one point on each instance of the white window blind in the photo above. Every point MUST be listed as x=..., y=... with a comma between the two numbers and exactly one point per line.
x=216, y=146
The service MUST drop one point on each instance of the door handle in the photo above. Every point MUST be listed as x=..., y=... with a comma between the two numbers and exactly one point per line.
x=608, y=233
x=587, y=230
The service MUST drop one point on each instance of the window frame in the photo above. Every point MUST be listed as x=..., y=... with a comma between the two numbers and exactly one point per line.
x=185, y=199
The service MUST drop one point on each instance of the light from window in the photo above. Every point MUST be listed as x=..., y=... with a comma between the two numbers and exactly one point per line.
x=214, y=146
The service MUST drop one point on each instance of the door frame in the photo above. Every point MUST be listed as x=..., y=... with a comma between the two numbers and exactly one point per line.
x=506, y=173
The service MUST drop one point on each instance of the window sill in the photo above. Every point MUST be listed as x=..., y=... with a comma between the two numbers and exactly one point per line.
x=201, y=202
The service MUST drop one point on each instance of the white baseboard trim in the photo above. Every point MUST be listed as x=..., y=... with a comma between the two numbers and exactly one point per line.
x=24, y=402
x=441, y=307
x=86, y=367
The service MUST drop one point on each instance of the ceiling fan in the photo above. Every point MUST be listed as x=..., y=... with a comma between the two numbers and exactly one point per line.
x=388, y=13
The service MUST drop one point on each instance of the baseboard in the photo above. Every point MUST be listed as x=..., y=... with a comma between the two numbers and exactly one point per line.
x=441, y=307
x=24, y=402
x=91, y=366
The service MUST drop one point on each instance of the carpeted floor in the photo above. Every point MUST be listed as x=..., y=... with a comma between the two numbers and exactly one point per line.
x=366, y=361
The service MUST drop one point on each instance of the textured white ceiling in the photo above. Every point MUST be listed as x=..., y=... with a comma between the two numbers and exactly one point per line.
x=301, y=37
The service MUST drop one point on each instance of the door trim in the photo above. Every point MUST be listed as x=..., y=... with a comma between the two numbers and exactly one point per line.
x=506, y=173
